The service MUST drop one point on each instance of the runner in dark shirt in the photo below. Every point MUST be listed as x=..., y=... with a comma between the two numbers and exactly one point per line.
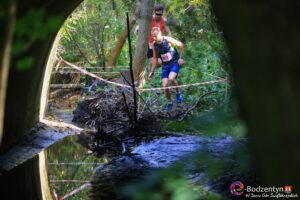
x=164, y=48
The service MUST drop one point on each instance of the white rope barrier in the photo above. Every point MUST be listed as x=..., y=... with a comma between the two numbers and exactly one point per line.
x=144, y=89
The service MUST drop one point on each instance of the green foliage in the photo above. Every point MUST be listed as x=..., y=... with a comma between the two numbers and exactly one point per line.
x=33, y=26
x=167, y=184
x=203, y=40
x=206, y=56
x=2, y=12
x=211, y=123
x=25, y=63
x=215, y=122
x=91, y=32
x=36, y=25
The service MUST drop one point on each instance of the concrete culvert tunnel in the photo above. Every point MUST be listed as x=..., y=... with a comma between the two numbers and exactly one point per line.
x=263, y=42
x=20, y=99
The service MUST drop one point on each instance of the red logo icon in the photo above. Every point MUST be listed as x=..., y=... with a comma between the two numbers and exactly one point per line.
x=288, y=189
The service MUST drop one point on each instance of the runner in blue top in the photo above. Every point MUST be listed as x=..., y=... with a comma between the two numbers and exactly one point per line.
x=163, y=49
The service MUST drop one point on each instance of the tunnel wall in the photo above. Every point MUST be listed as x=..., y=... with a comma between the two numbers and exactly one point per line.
x=23, y=182
x=24, y=86
x=29, y=180
x=22, y=103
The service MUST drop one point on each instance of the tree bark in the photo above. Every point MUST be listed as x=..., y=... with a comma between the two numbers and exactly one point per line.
x=96, y=39
x=120, y=43
x=139, y=61
x=66, y=86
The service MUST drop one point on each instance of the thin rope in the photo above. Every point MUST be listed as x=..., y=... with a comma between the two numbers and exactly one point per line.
x=186, y=85
x=144, y=89
x=93, y=75
x=99, y=67
x=71, y=72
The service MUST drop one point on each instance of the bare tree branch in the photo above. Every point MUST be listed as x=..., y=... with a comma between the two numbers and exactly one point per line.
x=195, y=105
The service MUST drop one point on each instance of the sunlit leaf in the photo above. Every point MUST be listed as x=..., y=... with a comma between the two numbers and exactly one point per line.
x=25, y=63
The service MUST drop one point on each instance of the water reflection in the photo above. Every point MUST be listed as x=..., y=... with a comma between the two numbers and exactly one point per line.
x=70, y=168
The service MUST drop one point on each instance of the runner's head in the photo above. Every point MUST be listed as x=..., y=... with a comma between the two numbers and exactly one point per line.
x=156, y=34
x=158, y=11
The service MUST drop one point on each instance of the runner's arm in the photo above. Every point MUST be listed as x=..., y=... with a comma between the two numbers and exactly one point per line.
x=154, y=60
x=176, y=43
x=168, y=31
x=153, y=65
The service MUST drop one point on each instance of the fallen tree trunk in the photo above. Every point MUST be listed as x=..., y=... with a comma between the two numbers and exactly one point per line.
x=66, y=86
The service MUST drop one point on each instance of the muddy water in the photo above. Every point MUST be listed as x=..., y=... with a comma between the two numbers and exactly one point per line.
x=65, y=115
x=156, y=155
x=70, y=166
